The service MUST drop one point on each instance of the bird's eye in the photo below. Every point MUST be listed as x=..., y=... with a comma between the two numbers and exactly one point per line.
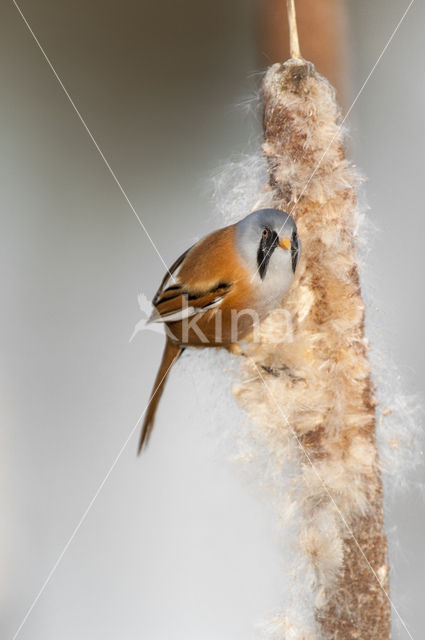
x=265, y=233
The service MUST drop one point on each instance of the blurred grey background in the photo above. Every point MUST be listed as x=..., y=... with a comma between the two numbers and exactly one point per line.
x=176, y=545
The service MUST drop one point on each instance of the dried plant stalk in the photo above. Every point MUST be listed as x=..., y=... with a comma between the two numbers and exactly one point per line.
x=294, y=45
x=318, y=373
x=322, y=28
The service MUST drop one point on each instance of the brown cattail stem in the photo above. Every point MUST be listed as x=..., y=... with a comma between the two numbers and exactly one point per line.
x=294, y=45
x=318, y=372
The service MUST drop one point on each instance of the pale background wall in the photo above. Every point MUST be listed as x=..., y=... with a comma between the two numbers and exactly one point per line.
x=176, y=545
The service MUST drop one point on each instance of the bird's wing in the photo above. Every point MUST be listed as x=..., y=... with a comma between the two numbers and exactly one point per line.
x=178, y=302
x=203, y=276
x=170, y=274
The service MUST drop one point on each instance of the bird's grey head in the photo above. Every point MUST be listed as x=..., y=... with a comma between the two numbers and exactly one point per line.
x=267, y=240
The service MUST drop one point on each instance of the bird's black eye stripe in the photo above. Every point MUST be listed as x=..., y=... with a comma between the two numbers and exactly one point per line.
x=268, y=243
x=295, y=250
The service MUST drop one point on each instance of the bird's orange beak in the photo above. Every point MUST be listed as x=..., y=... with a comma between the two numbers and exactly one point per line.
x=285, y=243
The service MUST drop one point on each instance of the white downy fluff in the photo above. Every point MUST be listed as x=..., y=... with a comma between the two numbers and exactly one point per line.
x=240, y=187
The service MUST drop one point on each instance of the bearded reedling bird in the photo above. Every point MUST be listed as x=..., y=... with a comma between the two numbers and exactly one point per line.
x=222, y=287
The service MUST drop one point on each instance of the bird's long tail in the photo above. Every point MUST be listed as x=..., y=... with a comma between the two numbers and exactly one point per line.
x=171, y=352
